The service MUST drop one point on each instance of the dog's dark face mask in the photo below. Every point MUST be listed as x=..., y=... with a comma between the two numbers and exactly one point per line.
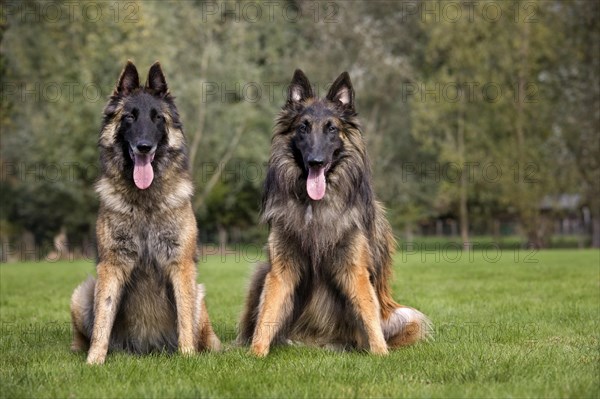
x=318, y=140
x=142, y=125
x=318, y=128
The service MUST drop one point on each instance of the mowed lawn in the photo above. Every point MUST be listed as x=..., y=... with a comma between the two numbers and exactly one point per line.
x=507, y=324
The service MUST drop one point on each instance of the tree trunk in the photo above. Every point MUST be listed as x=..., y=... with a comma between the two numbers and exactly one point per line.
x=463, y=210
x=464, y=215
x=453, y=231
x=197, y=138
x=526, y=201
x=409, y=238
x=5, y=248
x=496, y=230
x=222, y=233
x=595, y=231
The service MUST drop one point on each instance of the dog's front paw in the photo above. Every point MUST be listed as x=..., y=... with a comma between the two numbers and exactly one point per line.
x=380, y=350
x=77, y=346
x=214, y=344
x=259, y=350
x=96, y=357
x=187, y=350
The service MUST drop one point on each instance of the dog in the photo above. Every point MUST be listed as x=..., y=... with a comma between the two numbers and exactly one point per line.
x=145, y=297
x=327, y=279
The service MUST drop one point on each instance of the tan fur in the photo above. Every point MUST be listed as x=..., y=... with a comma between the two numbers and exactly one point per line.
x=275, y=301
x=145, y=297
x=327, y=281
x=362, y=295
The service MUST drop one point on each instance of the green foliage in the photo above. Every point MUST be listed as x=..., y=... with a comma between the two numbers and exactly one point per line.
x=524, y=326
x=229, y=70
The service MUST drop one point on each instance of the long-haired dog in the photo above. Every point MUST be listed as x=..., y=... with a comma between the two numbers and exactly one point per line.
x=327, y=279
x=145, y=297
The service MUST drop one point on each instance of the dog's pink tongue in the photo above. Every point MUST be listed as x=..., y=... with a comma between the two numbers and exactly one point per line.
x=142, y=171
x=315, y=184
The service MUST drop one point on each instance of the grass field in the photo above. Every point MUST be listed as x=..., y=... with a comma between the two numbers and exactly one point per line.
x=507, y=324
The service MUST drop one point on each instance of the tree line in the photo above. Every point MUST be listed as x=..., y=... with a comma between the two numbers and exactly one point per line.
x=475, y=114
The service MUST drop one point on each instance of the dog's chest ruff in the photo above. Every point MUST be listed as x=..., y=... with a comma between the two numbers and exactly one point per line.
x=308, y=215
x=115, y=200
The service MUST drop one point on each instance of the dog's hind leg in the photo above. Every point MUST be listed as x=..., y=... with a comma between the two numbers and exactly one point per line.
x=82, y=314
x=406, y=326
x=206, y=337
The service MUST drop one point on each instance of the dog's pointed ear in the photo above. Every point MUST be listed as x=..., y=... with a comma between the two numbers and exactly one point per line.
x=341, y=91
x=128, y=81
x=156, y=81
x=299, y=89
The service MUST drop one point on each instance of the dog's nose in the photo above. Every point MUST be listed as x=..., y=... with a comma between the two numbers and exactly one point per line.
x=144, y=147
x=315, y=161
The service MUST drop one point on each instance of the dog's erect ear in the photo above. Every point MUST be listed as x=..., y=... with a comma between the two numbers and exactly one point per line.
x=341, y=91
x=129, y=80
x=299, y=89
x=156, y=81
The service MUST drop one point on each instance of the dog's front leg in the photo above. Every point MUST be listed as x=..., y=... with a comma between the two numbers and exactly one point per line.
x=361, y=293
x=107, y=295
x=183, y=277
x=275, y=302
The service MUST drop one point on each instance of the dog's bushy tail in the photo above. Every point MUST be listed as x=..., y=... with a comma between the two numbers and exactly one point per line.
x=406, y=326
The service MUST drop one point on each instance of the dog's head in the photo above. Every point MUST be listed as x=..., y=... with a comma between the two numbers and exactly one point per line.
x=319, y=128
x=140, y=120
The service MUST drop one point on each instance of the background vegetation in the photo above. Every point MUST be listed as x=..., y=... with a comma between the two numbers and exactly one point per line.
x=480, y=118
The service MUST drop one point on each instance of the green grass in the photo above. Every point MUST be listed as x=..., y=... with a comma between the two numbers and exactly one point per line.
x=526, y=325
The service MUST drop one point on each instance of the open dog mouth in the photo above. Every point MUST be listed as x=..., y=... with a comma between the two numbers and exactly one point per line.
x=316, y=183
x=143, y=174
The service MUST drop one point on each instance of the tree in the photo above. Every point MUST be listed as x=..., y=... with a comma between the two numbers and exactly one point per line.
x=577, y=125
x=447, y=104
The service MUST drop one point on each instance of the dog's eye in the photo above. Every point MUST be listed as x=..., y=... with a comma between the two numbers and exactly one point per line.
x=156, y=116
x=332, y=129
x=303, y=128
x=129, y=118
